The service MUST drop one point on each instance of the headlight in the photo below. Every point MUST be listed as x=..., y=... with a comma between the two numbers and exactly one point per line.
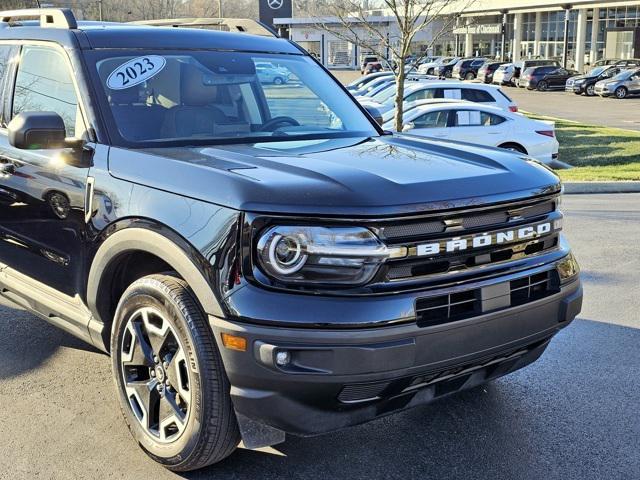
x=322, y=255
x=579, y=82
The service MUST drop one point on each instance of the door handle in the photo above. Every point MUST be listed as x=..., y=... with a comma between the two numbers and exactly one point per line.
x=7, y=169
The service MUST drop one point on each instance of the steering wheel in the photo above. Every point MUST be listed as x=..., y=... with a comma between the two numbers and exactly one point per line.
x=276, y=121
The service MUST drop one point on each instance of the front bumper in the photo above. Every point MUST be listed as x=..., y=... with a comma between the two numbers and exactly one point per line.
x=580, y=88
x=337, y=377
x=603, y=91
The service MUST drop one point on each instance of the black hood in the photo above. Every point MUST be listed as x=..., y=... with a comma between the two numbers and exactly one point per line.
x=583, y=77
x=354, y=177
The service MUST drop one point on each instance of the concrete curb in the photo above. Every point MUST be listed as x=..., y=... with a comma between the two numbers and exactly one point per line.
x=601, y=187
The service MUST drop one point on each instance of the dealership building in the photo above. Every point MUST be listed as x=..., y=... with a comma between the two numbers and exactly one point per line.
x=577, y=33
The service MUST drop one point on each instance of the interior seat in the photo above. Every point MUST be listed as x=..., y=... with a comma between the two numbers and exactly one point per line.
x=135, y=119
x=195, y=116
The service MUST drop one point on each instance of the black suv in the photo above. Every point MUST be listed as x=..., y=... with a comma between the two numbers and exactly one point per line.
x=545, y=78
x=259, y=259
x=467, y=68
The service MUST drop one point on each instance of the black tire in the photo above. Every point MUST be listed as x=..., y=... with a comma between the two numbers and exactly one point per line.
x=590, y=91
x=542, y=86
x=209, y=427
x=621, y=93
x=469, y=76
x=278, y=81
x=514, y=147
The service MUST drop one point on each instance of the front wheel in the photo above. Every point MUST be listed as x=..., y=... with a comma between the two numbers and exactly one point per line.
x=278, y=81
x=621, y=92
x=172, y=386
x=469, y=76
x=590, y=90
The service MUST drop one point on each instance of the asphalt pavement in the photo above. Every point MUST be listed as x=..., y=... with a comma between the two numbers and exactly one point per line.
x=571, y=415
x=606, y=112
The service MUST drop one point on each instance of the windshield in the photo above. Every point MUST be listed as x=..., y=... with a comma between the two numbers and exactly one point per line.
x=384, y=94
x=596, y=71
x=624, y=75
x=202, y=97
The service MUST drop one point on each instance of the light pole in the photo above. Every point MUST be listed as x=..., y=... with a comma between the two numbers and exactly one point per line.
x=503, y=40
x=100, y=10
x=220, y=8
x=565, y=46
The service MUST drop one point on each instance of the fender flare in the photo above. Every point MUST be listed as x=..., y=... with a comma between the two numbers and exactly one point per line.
x=129, y=239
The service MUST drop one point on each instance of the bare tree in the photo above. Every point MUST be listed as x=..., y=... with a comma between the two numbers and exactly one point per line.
x=387, y=29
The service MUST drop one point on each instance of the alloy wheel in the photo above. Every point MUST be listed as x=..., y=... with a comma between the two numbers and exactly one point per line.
x=621, y=92
x=591, y=90
x=155, y=375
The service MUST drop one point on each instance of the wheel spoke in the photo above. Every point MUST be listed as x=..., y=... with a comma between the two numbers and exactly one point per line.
x=143, y=398
x=170, y=414
x=177, y=374
x=157, y=330
x=140, y=351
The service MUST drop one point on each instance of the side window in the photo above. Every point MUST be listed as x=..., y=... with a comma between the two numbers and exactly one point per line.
x=467, y=118
x=5, y=55
x=432, y=120
x=44, y=84
x=476, y=95
x=490, y=119
x=425, y=94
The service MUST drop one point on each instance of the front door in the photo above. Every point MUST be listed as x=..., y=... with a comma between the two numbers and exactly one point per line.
x=42, y=221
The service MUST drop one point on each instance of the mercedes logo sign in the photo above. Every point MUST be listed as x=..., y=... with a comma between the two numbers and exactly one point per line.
x=275, y=4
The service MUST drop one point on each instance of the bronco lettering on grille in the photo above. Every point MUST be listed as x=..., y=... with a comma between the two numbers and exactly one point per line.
x=482, y=240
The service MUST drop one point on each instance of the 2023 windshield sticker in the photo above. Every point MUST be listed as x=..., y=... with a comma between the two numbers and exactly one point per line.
x=135, y=71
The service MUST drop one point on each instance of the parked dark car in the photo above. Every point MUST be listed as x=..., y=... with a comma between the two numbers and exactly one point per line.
x=546, y=78
x=586, y=83
x=486, y=71
x=521, y=66
x=467, y=68
x=446, y=69
x=257, y=265
x=370, y=64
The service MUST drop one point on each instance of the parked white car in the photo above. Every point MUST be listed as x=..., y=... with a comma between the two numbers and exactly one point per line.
x=483, y=125
x=365, y=89
x=423, y=90
x=504, y=74
x=360, y=82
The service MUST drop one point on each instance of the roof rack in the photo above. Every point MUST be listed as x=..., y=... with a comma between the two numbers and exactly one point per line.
x=49, y=17
x=243, y=25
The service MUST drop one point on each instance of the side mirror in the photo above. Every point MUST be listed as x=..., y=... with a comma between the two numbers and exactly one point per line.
x=38, y=130
x=375, y=113
x=408, y=127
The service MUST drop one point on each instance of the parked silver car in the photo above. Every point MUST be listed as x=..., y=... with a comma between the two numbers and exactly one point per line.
x=625, y=83
x=269, y=73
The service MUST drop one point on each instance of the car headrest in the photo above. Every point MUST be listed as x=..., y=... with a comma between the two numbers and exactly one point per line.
x=126, y=96
x=196, y=87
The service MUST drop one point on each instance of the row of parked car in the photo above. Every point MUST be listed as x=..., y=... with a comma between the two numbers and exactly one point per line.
x=469, y=112
x=617, y=78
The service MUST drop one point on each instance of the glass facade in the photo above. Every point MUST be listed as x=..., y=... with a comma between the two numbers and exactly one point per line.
x=543, y=34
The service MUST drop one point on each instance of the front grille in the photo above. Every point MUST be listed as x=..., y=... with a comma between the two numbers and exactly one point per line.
x=405, y=230
x=411, y=269
x=441, y=309
x=439, y=228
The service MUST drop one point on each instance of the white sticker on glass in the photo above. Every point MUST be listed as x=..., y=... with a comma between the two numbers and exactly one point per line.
x=135, y=71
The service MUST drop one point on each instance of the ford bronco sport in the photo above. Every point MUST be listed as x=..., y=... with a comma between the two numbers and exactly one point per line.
x=259, y=259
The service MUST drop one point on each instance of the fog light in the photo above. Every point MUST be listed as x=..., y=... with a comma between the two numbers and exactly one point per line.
x=283, y=358
x=568, y=268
